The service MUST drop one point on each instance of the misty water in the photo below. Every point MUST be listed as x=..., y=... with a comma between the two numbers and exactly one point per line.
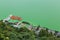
x=38, y=12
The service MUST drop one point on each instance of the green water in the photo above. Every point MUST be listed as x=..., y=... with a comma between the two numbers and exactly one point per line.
x=43, y=12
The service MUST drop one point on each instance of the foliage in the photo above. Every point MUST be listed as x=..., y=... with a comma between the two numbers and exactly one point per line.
x=8, y=32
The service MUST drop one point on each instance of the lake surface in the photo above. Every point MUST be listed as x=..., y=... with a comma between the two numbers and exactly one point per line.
x=39, y=12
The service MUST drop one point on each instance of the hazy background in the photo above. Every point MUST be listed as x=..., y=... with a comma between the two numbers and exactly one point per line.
x=43, y=12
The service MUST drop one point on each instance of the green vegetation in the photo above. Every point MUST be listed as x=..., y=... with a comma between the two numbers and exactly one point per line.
x=8, y=32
